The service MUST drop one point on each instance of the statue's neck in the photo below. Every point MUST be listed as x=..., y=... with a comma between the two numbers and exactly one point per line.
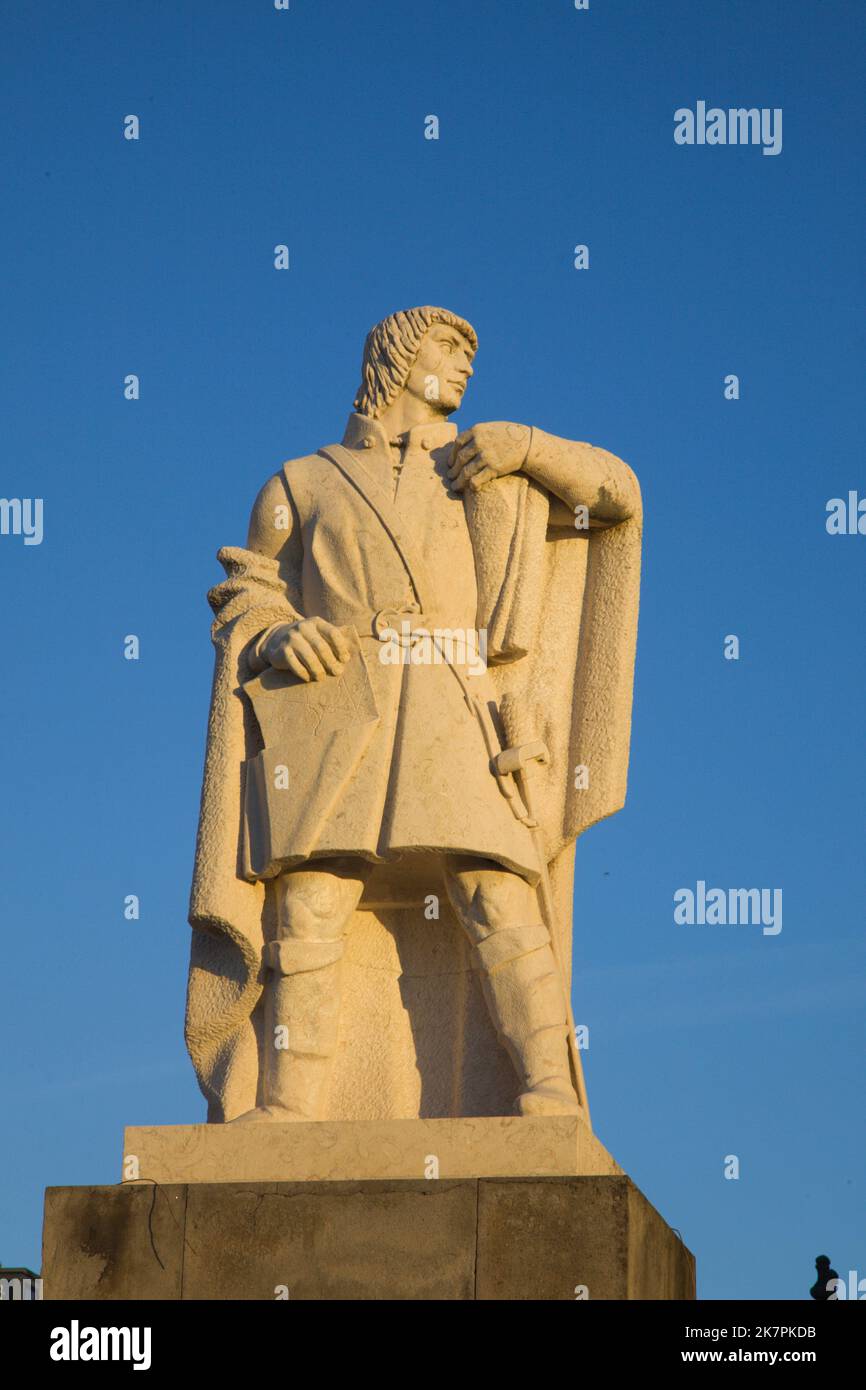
x=406, y=412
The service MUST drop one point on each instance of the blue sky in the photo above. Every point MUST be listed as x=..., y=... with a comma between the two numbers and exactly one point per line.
x=155, y=257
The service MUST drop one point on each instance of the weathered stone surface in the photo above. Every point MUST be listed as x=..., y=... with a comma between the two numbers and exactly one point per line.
x=490, y=1239
x=378, y=1240
x=367, y=1149
x=113, y=1242
x=658, y=1266
x=583, y=1237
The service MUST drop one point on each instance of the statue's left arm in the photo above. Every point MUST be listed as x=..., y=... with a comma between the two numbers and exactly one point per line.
x=577, y=474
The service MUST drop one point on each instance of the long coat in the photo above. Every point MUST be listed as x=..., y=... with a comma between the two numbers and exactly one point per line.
x=411, y=771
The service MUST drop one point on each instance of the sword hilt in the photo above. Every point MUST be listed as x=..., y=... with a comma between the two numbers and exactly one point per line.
x=515, y=759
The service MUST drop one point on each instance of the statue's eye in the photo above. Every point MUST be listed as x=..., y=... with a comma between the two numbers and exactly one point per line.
x=447, y=347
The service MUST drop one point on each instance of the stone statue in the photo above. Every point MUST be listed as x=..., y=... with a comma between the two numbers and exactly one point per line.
x=422, y=696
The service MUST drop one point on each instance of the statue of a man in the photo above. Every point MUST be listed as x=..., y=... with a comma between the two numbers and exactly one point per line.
x=423, y=626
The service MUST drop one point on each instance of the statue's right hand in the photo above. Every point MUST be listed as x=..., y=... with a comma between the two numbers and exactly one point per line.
x=310, y=648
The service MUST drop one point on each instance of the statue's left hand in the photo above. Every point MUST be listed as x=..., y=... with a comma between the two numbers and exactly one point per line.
x=486, y=452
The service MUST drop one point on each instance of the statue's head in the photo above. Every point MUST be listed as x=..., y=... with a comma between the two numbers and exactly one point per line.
x=426, y=352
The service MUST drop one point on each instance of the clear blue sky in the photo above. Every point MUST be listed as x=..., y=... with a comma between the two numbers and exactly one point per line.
x=156, y=257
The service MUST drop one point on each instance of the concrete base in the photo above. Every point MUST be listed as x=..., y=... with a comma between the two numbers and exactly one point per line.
x=488, y=1238
x=356, y=1150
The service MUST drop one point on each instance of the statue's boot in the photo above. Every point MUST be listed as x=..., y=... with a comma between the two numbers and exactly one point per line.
x=526, y=998
x=302, y=1016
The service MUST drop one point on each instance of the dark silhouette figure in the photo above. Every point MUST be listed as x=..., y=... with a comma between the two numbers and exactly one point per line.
x=819, y=1289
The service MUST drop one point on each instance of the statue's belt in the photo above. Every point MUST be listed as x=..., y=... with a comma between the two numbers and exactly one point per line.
x=405, y=624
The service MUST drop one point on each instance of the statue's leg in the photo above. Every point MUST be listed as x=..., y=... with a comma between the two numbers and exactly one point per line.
x=303, y=993
x=520, y=979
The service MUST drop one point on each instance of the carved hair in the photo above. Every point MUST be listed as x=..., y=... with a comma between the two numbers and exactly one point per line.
x=390, y=350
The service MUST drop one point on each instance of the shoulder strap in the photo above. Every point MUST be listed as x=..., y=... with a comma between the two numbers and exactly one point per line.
x=402, y=536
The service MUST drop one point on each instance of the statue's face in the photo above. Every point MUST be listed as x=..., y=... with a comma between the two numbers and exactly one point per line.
x=442, y=368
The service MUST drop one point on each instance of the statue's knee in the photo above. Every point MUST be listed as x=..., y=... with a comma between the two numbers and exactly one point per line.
x=311, y=908
x=488, y=901
x=493, y=909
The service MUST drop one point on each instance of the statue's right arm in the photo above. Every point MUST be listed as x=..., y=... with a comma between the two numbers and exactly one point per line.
x=311, y=648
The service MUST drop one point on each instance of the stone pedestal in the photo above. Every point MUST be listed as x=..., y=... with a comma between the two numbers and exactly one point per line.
x=496, y=1233
x=337, y=1150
